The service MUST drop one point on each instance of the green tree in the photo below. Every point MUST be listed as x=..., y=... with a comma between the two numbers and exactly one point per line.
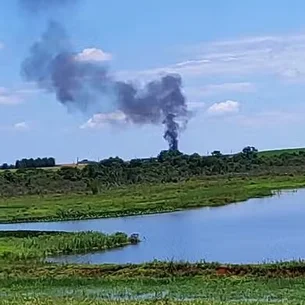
x=216, y=153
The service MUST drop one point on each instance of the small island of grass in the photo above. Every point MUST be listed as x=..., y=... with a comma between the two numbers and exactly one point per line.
x=36, y=245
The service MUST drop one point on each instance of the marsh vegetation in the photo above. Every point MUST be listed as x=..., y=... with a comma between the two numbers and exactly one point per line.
x=38, y=245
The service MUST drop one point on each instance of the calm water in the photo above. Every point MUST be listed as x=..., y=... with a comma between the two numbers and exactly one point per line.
x=258, y=230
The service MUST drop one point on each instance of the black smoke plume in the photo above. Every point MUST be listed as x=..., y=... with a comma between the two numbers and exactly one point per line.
x=81, y=84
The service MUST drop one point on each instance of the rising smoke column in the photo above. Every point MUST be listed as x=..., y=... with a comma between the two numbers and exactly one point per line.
x=160, y=102
x=171, y=133
x=55, y=67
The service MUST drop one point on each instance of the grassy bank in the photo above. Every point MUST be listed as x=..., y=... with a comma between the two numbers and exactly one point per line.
x=25, y=245
x=143, y=199
x=71, y=301
x=50, y=284
x=157, y=270
x=279, y=152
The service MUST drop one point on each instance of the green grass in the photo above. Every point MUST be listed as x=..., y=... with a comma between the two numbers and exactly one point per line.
x=143, y=199
x=170, y=283
x=39, y=269
x=28, y=245
x=98, y=288
x=84, y=301
x=277, y=152
x=38, y=283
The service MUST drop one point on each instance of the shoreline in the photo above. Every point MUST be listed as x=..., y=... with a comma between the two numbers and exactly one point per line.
x=158, y=199
x=154, y=269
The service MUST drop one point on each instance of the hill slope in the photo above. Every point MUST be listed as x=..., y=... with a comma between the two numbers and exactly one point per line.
x=277, y=152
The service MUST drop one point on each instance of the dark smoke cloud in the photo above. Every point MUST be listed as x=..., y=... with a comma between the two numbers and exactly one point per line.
x=81, y=84
x=160, y=102
x=53, y=66
x=40, y=5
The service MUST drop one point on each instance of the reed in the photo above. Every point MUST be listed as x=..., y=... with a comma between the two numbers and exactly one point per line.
x=39, y=245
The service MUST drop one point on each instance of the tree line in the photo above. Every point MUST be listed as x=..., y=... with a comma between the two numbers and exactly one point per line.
x=30, y=163
x=168, y=166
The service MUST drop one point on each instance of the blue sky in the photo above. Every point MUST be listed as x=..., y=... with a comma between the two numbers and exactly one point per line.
x=242, y=64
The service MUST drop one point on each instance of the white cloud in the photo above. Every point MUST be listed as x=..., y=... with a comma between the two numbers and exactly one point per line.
x=267, y=55
x=225, y=87
x=93, y=54
x=8, y=97
x=247, y=42
x=214, y=89
x=227, y=107
x=101, y=120
x=21, y=126
x=1, y=45
x=29, y=91
x=195, y=105
x=16, y=96
x=270, y=118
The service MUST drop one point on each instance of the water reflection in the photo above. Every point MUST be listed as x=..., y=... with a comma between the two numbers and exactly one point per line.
x=266, y=229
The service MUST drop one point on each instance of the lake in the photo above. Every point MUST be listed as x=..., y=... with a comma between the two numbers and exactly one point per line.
x=255, y=231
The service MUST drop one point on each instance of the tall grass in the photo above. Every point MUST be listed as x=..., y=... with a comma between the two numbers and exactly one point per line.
x=24, y=271
x=38, y=246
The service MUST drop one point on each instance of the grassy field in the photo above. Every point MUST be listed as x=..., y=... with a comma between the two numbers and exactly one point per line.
x=277, y=152
x=143, y=199
x=53, y=168
x=169, y=283
x=25, y=279
x=85, y=301
x=204, y=290
x=28, y=245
